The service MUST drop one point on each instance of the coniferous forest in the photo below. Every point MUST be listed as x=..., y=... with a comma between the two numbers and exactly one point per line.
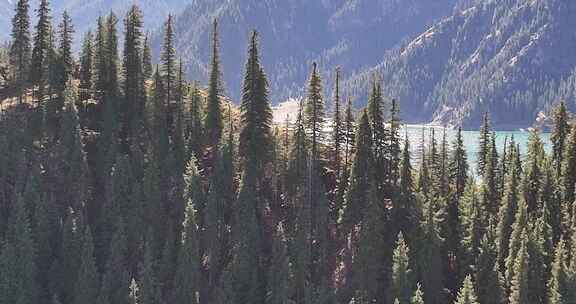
x=121, y=181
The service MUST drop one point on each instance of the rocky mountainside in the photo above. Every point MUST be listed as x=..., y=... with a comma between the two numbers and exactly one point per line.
x=512, y=58
x=351, y=33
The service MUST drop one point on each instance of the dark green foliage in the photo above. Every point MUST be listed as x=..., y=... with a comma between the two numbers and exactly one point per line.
x=20, y=49
x=255, y=135
x=338, y=127
x=458, y=167
x=429, y=258
x=519, y=293
x=569, y=167
x=65, y=33
x=86, y=61
x=559, y=135
x=133, y=106
x=42, y=44
x=360, y=176
x=279, y=273
x=484, y=144
x=489, y=287
x=187, y=280
x=18, y=267
x=146, y=59
x=124, y=190
x=314, y=113
x=88, y=281
x=213, y=124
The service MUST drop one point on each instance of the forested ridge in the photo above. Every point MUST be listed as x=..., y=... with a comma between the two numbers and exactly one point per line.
x=123, y=182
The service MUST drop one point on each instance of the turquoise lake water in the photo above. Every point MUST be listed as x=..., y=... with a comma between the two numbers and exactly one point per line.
x=470, y=140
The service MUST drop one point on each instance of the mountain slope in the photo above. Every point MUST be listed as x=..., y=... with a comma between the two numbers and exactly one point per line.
x=509, y=58
x=350, y=33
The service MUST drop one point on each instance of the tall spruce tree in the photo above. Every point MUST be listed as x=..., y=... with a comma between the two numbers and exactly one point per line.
x=379, y=136
x=65, y=32
x=560, y=133
x=338, y=128
x=314, y=111
x=458, y=165
x=213, y=124
x=20, y=46
x=256, y=117
x=147, y=68
x=484, y=143
x=360, y=176
x=86, y=61
x=393, y=143
x=40, y=51
x=133, y=107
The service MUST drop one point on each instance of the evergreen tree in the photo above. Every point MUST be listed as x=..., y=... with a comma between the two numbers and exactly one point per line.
x=430, y=259
x=532, y=178
x=146, y=59
x=66, y=31
x=255, y=134
x=116, y=279
x=18, y=269
x=471, y=224
x=506, y=216
x=368, y=265
x=557, y=286
x=195, y=129
x=187, y=280
x=519, y=284
x=517, y=239
x=484, y=144
x=86, y=61
x=279, y=272
x=349, y=134
x=394, y=143
x=569, y=178
x=150, y=293
x=467, y=294
x=41, y=48
x=213, y=121
x=133, y=108
x=338, y=128
x=488, y=280
x=168, y=59
x=360, y=177
x=560, y=133
x=379, y=134
x=406, y=178
x=458, y=165
x=20, y=46
x=87, y=284
x=401, y=274
x=314, y=111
